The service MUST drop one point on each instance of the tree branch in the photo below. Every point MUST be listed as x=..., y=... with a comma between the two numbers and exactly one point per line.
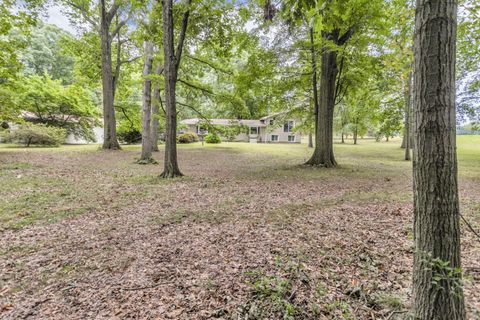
x=112, y=12
x=209, y=64
x=130, y=60
x=118, y=27
x=84, y=12
x=191, y=85
x=181, y=37
x=346, y=36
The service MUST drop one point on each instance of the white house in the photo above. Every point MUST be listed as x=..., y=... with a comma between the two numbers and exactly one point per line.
x=275, y=128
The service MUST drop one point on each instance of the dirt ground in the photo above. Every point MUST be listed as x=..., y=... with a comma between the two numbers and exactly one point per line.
x=248, y=233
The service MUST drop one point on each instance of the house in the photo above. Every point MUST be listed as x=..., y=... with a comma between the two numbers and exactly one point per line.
x=275, y=128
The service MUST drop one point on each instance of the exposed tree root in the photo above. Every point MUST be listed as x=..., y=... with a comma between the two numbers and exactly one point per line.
x=149, y=160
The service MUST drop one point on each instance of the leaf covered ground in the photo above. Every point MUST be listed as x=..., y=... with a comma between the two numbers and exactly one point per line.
x=249, y=233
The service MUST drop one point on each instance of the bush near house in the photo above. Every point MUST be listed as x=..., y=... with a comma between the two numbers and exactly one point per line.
x=37, y=134
x=212, y=138
x=188, y=137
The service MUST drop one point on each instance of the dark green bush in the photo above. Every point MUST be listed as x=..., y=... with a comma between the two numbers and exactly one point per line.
x=37, y=134
x=129, y=136
x=188, y=137
x=212, y=138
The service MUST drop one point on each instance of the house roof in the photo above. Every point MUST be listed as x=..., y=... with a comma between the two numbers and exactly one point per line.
x=224, y=122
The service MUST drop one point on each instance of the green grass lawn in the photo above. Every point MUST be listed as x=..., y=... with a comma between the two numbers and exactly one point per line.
x=363, y=161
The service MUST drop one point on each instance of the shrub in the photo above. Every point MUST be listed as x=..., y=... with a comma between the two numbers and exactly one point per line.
x=38, y=134
x=129, y=136
x=188, y=137
x=212, y=138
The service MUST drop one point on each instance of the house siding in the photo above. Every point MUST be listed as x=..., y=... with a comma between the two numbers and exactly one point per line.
x=265, y=132
x=282, y=136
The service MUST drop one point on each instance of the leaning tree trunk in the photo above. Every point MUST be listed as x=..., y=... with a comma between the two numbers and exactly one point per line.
x=147, y=147
x=323, y=153
x=157, y=101
x=436, y=204
x=109, y=122
x=171, y=169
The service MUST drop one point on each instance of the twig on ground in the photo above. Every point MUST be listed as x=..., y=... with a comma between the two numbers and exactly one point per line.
x=394, y=312
x=470, y=227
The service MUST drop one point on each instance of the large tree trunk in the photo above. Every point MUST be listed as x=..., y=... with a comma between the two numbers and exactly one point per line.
x=323, y=153
x=436, y=204
x=171, y=169
x=147, y=147
x=157, y=101
x=109, y=122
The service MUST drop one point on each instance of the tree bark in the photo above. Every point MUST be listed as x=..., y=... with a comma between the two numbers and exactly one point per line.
x=172, y=58
x=436, y=204
x=147, y=147
x=109, y=123
x=157, y=101
x=323, y=153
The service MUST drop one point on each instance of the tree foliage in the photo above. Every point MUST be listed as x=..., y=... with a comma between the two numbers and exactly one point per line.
x=69, y=107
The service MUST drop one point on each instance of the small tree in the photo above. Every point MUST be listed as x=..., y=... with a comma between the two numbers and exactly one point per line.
x=37, y=134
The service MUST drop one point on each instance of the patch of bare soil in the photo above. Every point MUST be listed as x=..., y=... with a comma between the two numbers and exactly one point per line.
x=241, y=237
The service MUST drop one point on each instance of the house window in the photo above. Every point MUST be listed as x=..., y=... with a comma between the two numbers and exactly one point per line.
x=288, y=126
x=271, y=122
x=253, y=130
x=291, y=138
x=274, y=138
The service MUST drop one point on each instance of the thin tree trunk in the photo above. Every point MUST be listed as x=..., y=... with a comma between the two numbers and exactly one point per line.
x=146, y=156
x=436, y=204
x=109, y=122
x=408, y=99
x=343, y=140
x=310, y=140
x=355, y=132
x=314, y=77
x=323, y=153
x=157, y=101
